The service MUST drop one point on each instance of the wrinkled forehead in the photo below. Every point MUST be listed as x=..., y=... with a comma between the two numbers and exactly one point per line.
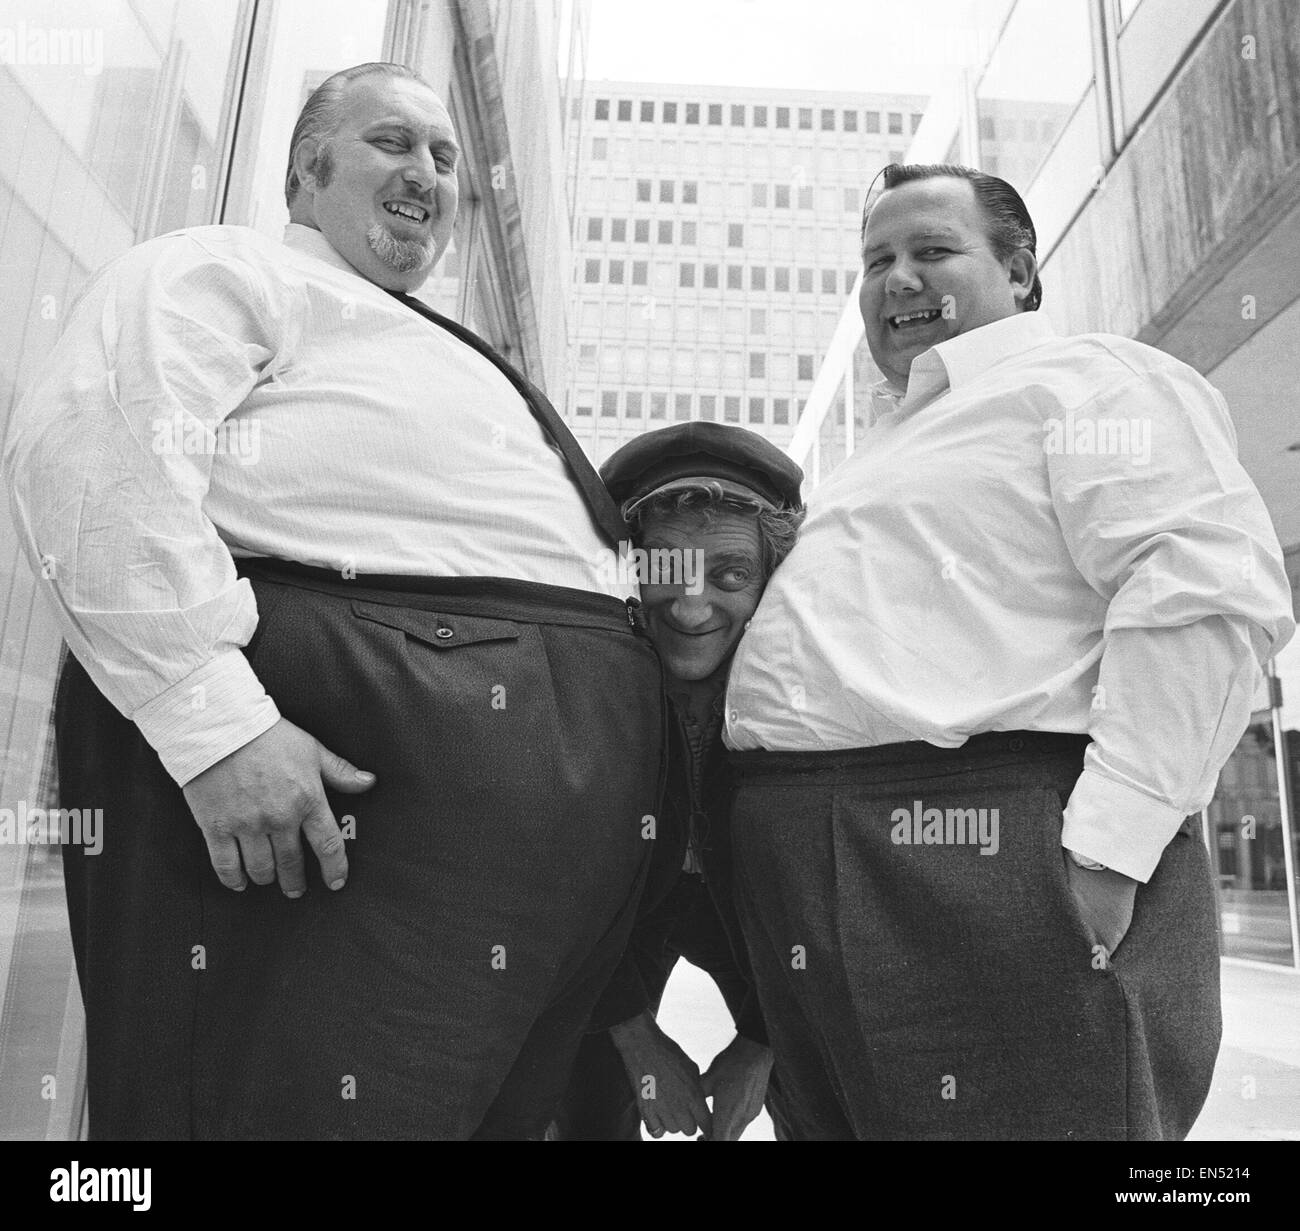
x=721, y=529
x=375, y=99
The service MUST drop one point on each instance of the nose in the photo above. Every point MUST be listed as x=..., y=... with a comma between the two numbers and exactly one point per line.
x=420, y=172
x=691, y=611
x=903, y=278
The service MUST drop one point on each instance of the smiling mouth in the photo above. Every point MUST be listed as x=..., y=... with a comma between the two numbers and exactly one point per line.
x=913, y=320
x=407, y=212
x=681, y=632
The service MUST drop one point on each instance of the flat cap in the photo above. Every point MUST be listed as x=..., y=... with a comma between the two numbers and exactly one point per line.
x=741, y=462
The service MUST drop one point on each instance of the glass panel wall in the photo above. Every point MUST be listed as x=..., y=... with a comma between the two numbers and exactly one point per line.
x=1152, y=39
x=1248, y=818
x=1287, y=736
x=1032, y=85
x=115, y=126
x=1248, y=855
x=1072, y=170
x=304, y=42
x=1036, y=111
x=1252, y=853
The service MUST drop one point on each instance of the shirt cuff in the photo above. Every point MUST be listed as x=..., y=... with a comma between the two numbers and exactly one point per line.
x=1116, y=825
x=206, y=716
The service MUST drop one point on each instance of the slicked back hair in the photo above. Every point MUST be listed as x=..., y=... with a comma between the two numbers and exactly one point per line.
x=1009, y=225
x=322, y=113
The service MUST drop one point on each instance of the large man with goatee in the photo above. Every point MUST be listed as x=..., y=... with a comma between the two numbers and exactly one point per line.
x=386, y=638
x=980, y=702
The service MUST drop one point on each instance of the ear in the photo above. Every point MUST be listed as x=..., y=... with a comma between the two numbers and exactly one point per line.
x=304, y=162
x=1022, y=269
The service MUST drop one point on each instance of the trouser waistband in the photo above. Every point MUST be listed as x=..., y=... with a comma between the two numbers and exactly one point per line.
x=979, y=751
x=502, y=598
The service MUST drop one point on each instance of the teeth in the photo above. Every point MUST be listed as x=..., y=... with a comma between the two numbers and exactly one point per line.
x=927, y=314
x=414, y=213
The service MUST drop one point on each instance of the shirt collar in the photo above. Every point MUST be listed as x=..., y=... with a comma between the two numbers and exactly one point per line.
x=312, y=242
x=959, y=360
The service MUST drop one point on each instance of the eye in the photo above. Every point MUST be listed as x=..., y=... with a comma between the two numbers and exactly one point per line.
x=879, y=261
x=393, y=143
x=934, y=252
x=736, y=578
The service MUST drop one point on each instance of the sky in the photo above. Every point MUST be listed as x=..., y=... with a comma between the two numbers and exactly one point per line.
x=854, y=45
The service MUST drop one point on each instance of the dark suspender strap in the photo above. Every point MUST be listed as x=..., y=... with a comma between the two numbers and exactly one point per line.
x=604, y=511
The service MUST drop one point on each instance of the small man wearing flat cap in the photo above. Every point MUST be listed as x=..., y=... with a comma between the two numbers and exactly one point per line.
x=712, y=510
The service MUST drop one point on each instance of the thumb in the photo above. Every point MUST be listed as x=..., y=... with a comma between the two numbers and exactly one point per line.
x=707, y=1081
x=341, y=775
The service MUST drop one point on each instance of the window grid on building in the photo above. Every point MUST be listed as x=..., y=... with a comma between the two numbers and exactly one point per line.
x=649, y=335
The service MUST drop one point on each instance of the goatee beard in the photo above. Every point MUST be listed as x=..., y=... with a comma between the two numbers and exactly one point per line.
x=404, y=256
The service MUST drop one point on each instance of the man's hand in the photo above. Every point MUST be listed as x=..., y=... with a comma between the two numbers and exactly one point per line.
x=737, y=1083
x=252, y=804
x=1105, y=899
x=675, y=1102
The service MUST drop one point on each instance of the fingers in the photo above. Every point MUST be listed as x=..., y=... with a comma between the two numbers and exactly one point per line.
x=251, y=805
x=290, y=867
x=677, y=1108
x=699, y=1109
x=223, y=851
x=659, y=1116
x=259, y=860
x=278, y=855
x=326, y=839
x=341, y=775
x=672, y=1118
x=685, y=1109
x=320, y=828
x=650, y=1117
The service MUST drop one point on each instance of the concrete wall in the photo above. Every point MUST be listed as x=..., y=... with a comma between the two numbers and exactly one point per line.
x=1216, y=165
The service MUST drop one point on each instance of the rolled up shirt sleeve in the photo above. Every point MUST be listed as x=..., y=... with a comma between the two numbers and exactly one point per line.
x=1178, y=540
x=108, y=463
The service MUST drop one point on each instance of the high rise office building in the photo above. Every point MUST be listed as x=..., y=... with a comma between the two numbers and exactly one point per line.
x=715, y=240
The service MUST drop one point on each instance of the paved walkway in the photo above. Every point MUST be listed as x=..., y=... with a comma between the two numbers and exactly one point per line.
x=1256, y=1091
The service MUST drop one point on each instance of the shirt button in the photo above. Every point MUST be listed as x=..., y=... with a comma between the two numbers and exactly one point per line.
x=1016, y=745
x=444, y=632
x=733, y=715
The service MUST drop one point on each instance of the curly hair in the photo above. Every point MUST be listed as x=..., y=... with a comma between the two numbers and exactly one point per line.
x=777, y=528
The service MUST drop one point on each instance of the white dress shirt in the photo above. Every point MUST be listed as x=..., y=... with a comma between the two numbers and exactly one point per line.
x=216, y=393
x=1043, y=533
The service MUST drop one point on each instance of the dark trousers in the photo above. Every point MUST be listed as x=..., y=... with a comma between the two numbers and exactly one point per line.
x=515, y=732
x=600, y=1103
x=928, y=991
